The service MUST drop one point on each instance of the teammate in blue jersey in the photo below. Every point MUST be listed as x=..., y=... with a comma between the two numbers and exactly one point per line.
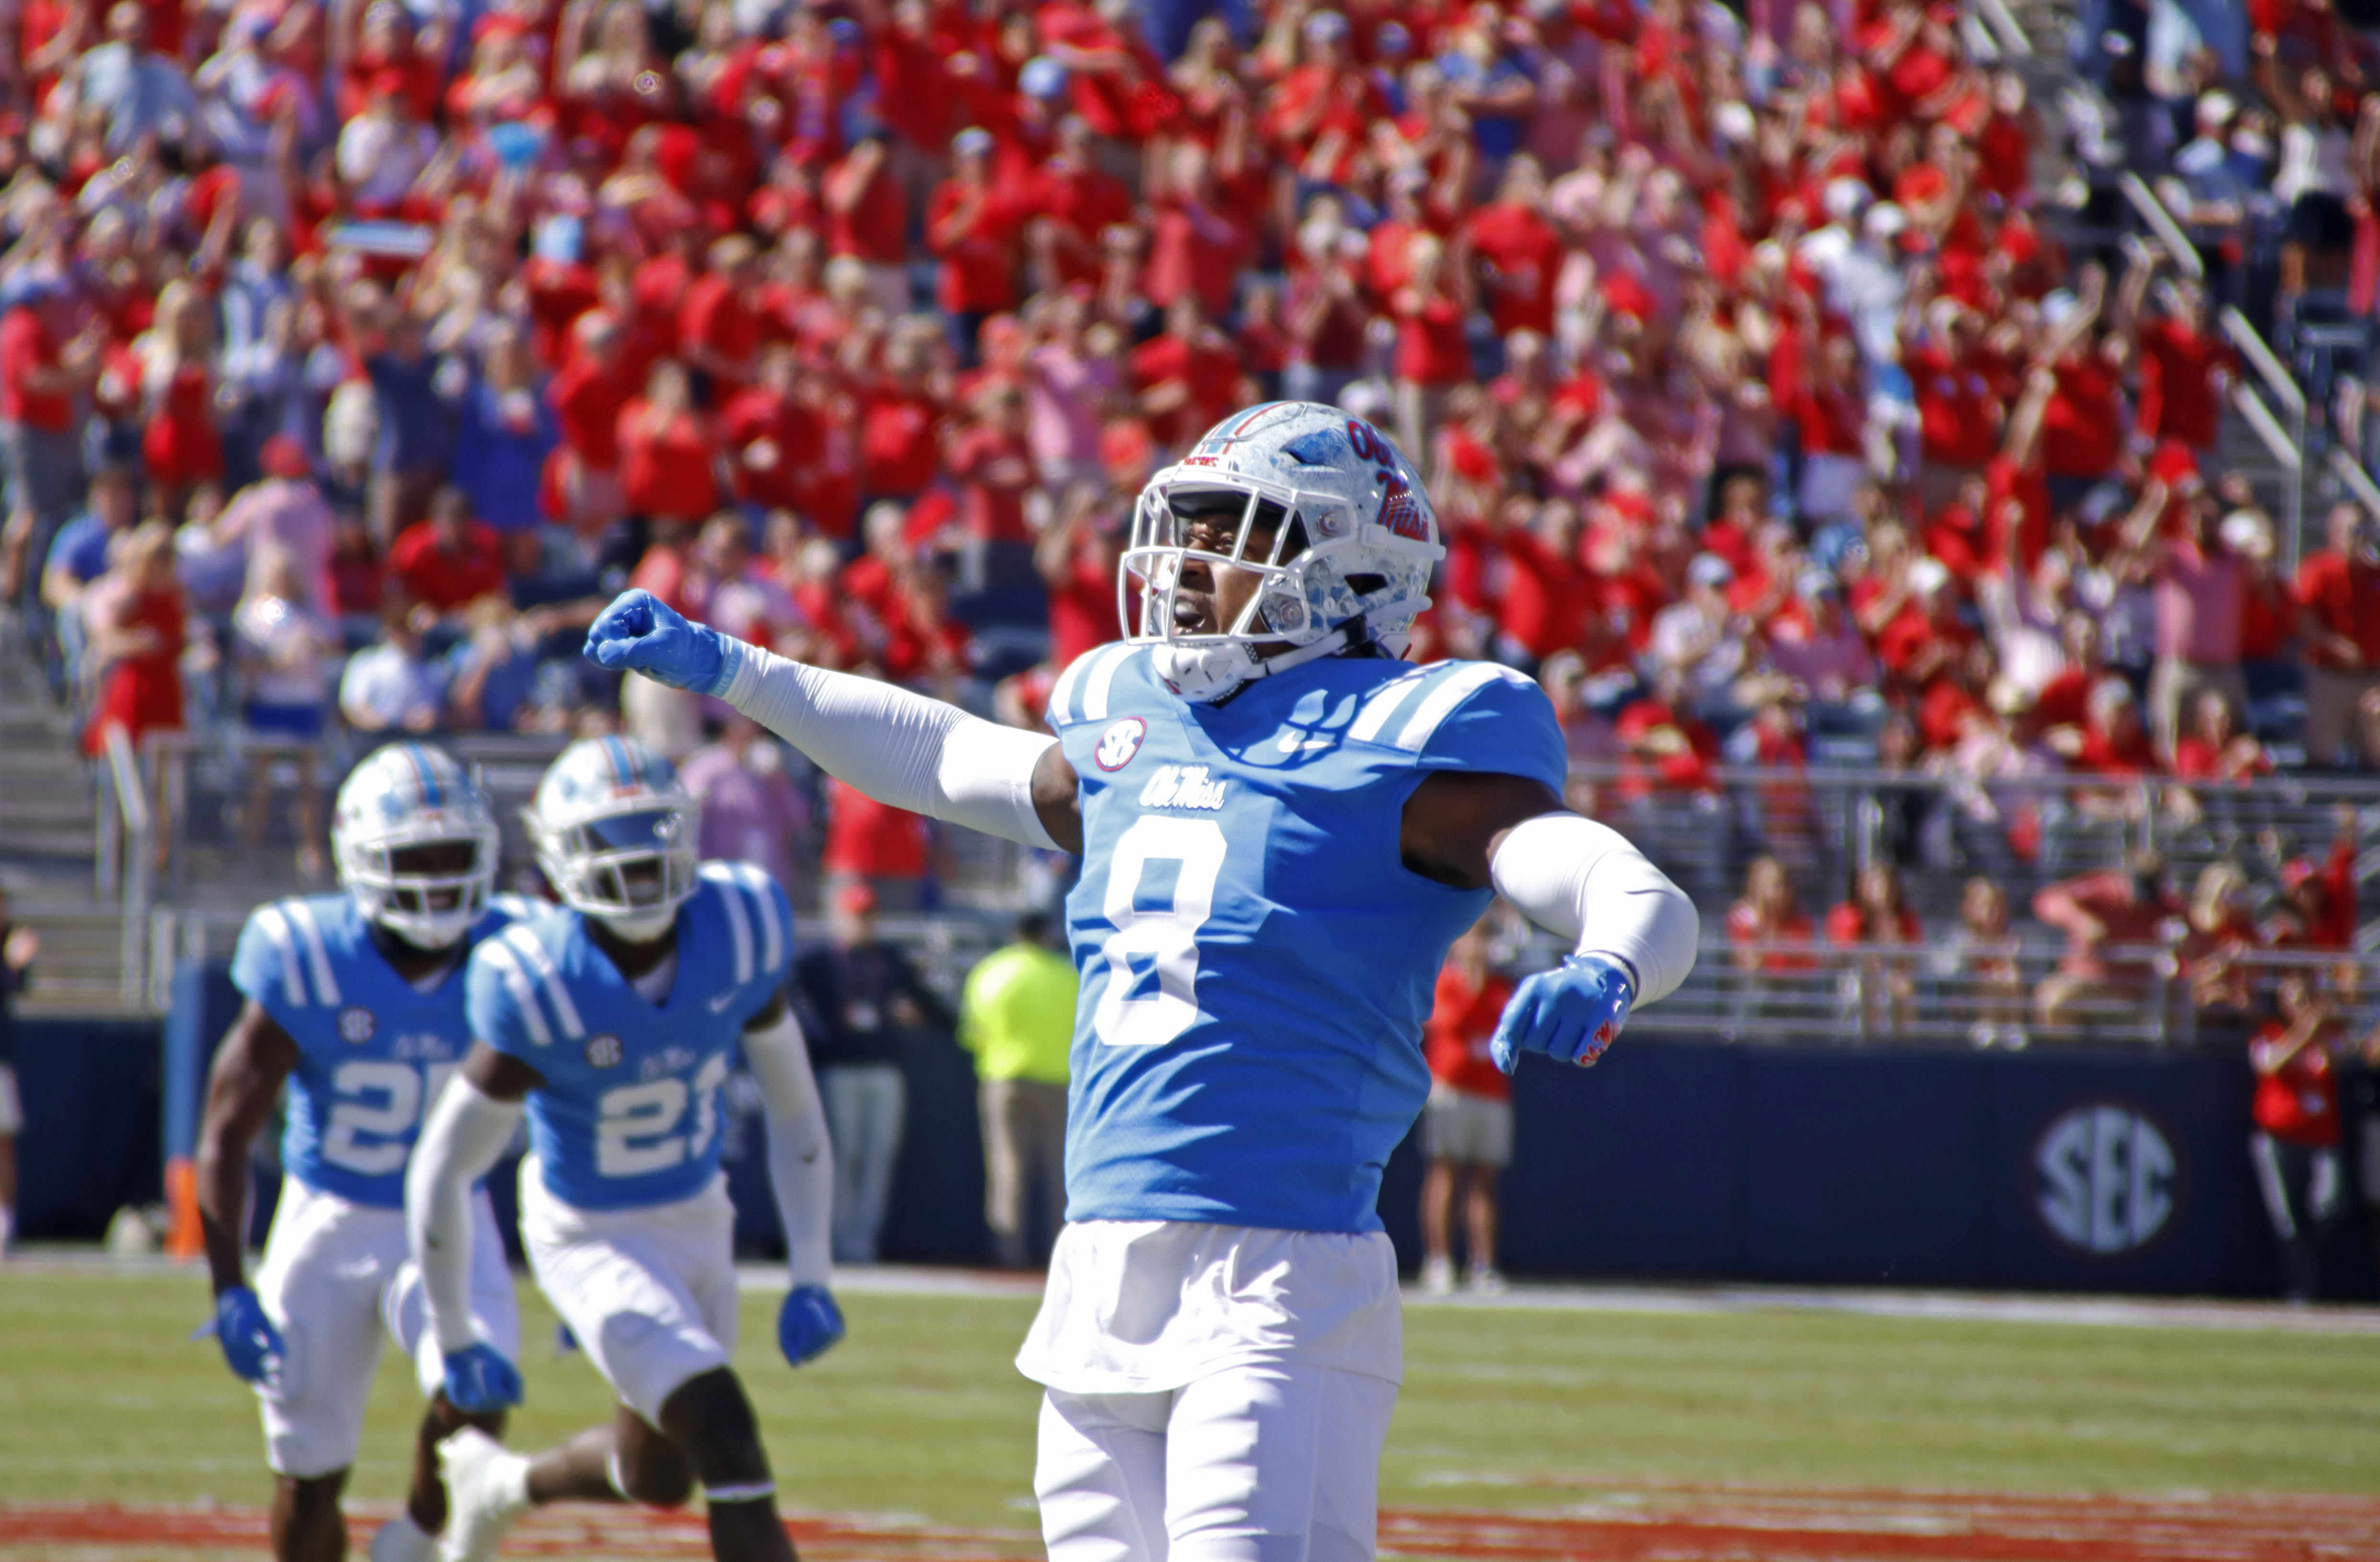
x=618, y=1019
x=1283, y=827
x=356, y=1000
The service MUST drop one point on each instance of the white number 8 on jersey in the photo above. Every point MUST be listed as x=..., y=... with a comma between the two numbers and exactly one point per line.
x=1165, y=937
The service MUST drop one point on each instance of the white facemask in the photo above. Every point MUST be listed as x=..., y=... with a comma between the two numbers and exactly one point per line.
x=644, y=926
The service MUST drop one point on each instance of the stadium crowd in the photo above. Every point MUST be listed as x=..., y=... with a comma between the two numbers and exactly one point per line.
x=351, y=354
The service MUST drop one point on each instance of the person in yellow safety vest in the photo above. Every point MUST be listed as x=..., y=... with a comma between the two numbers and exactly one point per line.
x=1016, y=1014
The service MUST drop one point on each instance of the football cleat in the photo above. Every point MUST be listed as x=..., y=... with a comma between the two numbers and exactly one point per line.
x=487, y=1488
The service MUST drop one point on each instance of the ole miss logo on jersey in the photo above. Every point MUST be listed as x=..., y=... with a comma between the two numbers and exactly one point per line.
x=1120, y=743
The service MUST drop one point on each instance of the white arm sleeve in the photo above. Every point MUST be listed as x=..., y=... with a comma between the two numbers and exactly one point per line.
x=1583, y=880
x=467, y=1131
x=900, y=748
x=801, y=1162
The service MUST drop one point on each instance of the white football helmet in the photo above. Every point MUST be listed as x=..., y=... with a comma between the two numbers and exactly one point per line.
x=615, y=832
x=416, y=845
x=1353, y=540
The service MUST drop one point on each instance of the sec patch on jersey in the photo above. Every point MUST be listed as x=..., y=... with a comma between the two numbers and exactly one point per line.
x=1120, y=743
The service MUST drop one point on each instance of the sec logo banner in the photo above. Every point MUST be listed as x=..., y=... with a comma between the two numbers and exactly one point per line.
x=1120, y=743
x=2107, y=1179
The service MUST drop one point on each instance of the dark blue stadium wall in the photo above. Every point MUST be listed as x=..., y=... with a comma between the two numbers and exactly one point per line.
x=1676, y=1160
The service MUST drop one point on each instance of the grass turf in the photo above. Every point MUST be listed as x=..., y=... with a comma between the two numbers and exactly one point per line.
x=919, y=1412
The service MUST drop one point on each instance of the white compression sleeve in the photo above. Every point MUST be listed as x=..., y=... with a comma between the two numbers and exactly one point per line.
x=900, y=748
x=801, y=1162
x=1584, y=881
x=467, y=1131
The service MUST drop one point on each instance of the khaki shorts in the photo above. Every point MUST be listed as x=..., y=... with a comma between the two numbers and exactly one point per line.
x=1457, y=1127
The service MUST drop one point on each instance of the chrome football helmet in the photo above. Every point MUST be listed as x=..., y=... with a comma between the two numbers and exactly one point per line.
x=416, y=845
x=615, y=832
x=1320, y=503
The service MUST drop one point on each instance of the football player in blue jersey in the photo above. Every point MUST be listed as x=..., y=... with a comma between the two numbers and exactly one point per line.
x=1283, y=826
x=356, y=1000
x=618, y=1019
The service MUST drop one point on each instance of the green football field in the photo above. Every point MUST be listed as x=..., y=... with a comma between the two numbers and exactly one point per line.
x=920, y=1414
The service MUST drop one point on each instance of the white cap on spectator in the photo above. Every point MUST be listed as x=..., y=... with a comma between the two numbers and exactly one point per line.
x=1734, y=122
x=1928, y=575
x=1845, y=198
x=2057, y=304
x=1710, y=569
x=2243, y=533
x=973, y=142
x=1813, y=584
x=1043, y=78
x=1886, y=221
x=1325, y=26
x=2216, y=109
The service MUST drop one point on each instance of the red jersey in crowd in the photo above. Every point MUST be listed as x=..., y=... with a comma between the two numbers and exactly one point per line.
x=1462, y=1022
x=445, y=580
x=2297, y=1097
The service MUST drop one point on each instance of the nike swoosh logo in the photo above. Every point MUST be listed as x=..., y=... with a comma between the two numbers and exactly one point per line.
x=718, y=1005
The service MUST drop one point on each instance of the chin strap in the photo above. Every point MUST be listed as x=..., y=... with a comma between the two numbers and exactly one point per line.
x=1211, y=674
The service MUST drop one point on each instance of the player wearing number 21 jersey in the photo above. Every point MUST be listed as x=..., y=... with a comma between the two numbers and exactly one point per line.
x=615, y=1021
x=355, y=999
x=1282, y=828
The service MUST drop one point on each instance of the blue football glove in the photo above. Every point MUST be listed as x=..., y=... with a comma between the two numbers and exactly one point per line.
x=807, y=1324
x=480, y=1381
x=251, y=1344
x=1569, y=1013
x=640, y=633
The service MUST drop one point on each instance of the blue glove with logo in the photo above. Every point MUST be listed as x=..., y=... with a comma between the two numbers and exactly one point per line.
x=640, y=633
x=807, y=1324
x=1569, y=1013
x=249, y=1341
x=480, y=1381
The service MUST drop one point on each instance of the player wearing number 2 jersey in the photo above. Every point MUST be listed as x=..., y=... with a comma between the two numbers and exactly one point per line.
x=1282, y=828
x=355, y=999
x=618, y=1018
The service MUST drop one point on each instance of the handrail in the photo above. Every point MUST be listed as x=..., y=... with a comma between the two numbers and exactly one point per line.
x=2358, y=482
x=130, y=795
x=2267, y=364
x=2285, y=784
x=2004, y=26
x=2268, y=429
x=2160, y=221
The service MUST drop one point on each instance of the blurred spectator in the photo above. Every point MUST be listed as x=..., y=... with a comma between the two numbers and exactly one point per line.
x=135, y=620
x=179, y=444
x=751, y=812
x=394, y=685
x=2128, y=908
x=667, y=448
x=863, y=995
x=41, y=446
x=135, y=83
x=1980, y=955
x=415, y=440
x=507, y=432
x=2295, y=1145
x=449, y=560
x=20, y=947
x=1016, y=1014
x=79, y=556
x=1875, y=916
x=2339, y=592
x=1467, y=1124
x=283, y=511
x=285, y=649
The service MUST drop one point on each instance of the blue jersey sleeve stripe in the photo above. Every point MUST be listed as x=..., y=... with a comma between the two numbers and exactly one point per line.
x=520, y=908
x=1100, y=681
x=1383, y=703
x=540, y=964
x=739, y=923
x=506, y=965
x=273, y=926
x=318, y=958
x=1439, y=702
x=764, y=899
x=1062, y=696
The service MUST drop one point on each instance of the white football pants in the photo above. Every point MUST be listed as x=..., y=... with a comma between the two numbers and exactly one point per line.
x=1262, y=1464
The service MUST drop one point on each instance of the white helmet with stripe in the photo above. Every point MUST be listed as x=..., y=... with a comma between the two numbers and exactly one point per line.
x=1320, y=503
x=416, y=845
x=615, y=832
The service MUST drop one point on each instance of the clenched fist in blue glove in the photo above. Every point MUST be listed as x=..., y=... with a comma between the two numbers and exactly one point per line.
x=249, y=1341
x=1569, y=1013
x=640, y=633
x=480, y=1381
x=808, y=1323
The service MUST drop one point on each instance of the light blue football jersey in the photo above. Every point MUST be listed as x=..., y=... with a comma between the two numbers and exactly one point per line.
x=1256, y=960
x=372, y=1050
x=628, y=1115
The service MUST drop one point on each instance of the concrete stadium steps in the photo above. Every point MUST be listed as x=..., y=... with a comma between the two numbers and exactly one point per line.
x=46, y=807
